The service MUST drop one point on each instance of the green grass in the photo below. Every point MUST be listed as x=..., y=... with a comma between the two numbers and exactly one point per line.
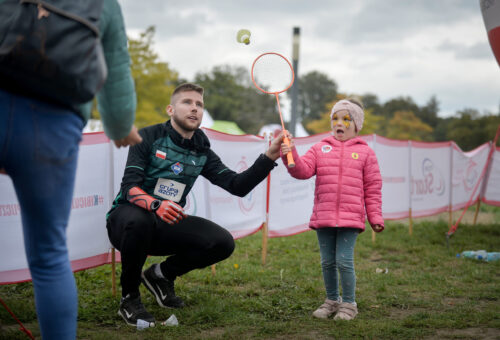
x=428, y=293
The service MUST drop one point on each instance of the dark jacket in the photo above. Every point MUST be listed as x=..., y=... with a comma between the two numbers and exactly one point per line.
x=156, y=158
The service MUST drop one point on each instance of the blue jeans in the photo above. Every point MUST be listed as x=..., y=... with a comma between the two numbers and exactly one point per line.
x=336, y=246
x=39, y=151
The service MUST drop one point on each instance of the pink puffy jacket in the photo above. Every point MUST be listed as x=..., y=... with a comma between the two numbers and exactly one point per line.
x=347, y=181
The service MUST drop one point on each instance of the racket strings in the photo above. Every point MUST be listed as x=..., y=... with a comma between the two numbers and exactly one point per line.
x=272, y=73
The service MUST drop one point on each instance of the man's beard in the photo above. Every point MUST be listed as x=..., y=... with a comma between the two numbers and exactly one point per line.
x=181, y=124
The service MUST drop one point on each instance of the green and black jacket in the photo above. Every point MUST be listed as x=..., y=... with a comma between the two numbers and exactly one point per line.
x=194, y=156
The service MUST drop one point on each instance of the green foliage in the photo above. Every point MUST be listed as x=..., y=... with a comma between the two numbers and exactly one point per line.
x=319, y=125
x=230, y=95
x=154, y=80
x=427, y=293
x=429, y=113
x=470, y=129
x=405, y=125
x=316, y=92
x=399, y=104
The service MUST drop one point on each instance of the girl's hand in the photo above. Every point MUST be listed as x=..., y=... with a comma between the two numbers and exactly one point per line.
x=285, y=149
x=377, y=228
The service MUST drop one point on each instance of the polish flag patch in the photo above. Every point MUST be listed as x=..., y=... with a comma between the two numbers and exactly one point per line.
x=161, y=154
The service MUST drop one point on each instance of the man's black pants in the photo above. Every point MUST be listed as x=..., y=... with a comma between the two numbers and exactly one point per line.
x=193, y=243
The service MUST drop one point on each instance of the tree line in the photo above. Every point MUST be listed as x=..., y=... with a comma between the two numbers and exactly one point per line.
x=230, y=95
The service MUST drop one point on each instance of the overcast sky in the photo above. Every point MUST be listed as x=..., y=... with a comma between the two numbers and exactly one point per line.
x=389, y=48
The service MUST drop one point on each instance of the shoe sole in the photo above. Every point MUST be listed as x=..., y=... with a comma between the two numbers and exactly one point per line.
x=151, y=289
x=321, y=317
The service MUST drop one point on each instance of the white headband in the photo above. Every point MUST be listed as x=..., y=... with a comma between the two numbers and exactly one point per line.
x=356, y=112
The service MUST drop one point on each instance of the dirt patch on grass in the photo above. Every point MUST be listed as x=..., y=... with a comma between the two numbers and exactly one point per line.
x=454, y=301
x=403, y=313
x=212, y=333
x=482, y=218
x=312, y=335
x=467, y=333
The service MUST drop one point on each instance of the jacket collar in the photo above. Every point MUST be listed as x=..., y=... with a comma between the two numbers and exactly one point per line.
x=199, y=141
x=334, y=142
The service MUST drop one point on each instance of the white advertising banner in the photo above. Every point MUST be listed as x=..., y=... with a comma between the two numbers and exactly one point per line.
x=393, y=159
x=467, y=169
x=492, y=188
x=241, y=216
x=426, y=177
x=291, y=200
x=119, y=162
x=430, y=178
x=87, y=237
x=87, y=234
x=13, y=259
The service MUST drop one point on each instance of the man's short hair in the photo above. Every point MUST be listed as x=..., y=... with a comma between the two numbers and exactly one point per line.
x=187, y=87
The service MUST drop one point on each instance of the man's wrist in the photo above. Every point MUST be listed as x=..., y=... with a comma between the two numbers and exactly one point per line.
x=155, y=205
x=270, y=156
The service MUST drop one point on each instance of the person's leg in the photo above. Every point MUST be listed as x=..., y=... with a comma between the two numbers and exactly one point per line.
x=194, y=243
x=327, y=246
x=131, y=230
x=40, y=155
x=346, y=240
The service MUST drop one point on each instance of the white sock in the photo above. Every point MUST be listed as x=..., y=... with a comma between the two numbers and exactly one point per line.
x=158, y=272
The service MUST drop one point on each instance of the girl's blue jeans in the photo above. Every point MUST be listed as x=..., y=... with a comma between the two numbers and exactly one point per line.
x=336, y=246
x=39, y=149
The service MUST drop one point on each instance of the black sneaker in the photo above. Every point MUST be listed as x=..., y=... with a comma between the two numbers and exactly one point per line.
x=132, y=309
x=162, y=289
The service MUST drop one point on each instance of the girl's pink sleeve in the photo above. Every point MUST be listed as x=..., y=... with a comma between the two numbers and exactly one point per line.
x=305, y=166
x=372, y=182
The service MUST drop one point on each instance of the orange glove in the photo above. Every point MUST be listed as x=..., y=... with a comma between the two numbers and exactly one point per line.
x=167, y=210
x=170, y=212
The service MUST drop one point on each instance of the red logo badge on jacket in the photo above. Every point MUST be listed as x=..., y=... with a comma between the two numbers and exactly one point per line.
x=161, y=154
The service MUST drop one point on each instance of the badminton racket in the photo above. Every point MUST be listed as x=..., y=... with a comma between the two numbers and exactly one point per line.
x=273, y=74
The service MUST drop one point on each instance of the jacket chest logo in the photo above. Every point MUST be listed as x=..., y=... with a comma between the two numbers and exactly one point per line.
x=177, y=168
x=326, y=148
x=354, y=155
x=161, y=154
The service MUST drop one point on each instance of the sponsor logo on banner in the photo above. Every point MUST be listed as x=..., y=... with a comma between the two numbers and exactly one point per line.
x=161, y=154
x=432, y=182
x=471, y=175
x=246, y=203
x=326, y=148
x=87, y=201
x=177, y=168
x=10, y=209
x=466, y=175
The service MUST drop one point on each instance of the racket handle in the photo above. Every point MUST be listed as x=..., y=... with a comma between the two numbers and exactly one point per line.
x=289, y=156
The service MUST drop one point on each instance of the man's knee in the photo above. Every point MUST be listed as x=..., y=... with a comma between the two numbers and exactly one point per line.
x=229, y=246
x=224, y=246
x=130, y=223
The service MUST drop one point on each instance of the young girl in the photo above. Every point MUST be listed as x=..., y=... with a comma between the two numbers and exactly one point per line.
x=348, y=181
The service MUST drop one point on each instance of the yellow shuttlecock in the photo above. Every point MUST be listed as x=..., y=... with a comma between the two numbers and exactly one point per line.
x=243, y=36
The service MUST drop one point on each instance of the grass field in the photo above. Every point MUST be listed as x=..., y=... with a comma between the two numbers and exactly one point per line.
x=428, y=293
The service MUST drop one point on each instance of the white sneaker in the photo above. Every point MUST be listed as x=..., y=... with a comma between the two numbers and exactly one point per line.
x=347, y=311
x=327, y=309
